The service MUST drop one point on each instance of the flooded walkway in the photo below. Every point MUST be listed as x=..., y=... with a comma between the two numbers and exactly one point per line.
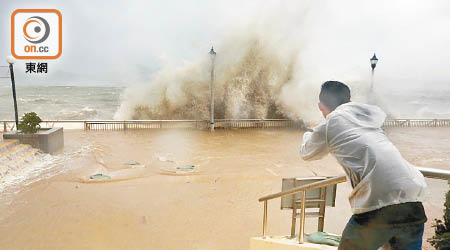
x=164, y=203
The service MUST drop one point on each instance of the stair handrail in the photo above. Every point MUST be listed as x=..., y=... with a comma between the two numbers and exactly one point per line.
x=427, y=172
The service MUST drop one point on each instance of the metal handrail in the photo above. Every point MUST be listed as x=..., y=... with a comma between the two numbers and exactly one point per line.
x=435, y=173
x=427, y=172
x=220, y=123
x=303, y=189
x=112, y=120
x=151, y=124
x=314, y=185
x=106, y=120
x=200, y=120
x=163, y=124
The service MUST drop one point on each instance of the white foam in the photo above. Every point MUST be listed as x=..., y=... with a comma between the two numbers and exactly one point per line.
x=38, y=167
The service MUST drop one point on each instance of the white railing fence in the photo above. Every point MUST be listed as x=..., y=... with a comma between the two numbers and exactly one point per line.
x=9, y=125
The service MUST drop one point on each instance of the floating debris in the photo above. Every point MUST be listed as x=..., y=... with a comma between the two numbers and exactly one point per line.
x=99, y=177
x=131, y=163
x=181, y=170
x=164, y=159
x=189, y=167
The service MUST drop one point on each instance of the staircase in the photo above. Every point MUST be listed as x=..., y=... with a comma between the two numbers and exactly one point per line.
x=13, y=155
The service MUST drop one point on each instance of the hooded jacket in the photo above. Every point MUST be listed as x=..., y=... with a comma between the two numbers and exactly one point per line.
x=378, y=173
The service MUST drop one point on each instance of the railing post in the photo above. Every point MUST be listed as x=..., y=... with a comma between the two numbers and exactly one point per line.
x=294, y=219
x=302, y=219
x=323, y=196
x=265, y=219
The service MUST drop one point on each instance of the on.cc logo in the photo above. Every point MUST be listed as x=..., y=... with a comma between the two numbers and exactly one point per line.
x=36, y=34
x=39, y=29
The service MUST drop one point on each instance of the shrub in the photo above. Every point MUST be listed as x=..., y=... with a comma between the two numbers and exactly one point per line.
x=29, y=123
x=441, y=239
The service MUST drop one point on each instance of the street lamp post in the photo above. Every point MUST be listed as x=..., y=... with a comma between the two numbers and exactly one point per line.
x=212, y=54
x=10, y=60
x=373, y=63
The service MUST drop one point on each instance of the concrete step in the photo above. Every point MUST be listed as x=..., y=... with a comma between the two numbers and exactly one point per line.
x=7, y=145
x=30, y=153
x=18, y=161
x=14, y=153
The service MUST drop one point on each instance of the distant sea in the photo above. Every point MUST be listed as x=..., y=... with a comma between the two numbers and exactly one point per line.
x=61, y=102
x=96, y=102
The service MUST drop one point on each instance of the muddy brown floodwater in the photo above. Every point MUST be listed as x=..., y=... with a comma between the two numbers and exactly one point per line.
x=215, y=205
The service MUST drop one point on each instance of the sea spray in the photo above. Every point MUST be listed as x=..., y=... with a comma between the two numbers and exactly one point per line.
x=248, y=81
x=261, y=71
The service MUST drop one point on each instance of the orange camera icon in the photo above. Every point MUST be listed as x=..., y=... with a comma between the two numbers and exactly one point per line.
x=36, y=34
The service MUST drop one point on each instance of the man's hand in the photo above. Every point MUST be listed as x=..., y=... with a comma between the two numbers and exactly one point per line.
x=311, y=126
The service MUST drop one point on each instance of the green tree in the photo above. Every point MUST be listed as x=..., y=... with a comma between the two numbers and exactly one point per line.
x=441, y=239
x=29, y=123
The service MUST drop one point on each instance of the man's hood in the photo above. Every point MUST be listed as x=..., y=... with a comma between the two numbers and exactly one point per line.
x=364, y=115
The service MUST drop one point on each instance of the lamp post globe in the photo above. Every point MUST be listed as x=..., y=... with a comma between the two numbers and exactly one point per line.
x=373, y=64
x=10, y=59
x=212, y=53
x=373, y=61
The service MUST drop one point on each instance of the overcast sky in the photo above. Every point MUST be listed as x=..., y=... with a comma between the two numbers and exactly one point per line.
x=124, y=42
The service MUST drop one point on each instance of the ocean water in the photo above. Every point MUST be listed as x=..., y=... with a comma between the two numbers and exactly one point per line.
x=97, y=102
x=61, y=102
x=416, y=103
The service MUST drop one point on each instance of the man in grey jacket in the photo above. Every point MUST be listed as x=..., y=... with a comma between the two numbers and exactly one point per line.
x=387, y=189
